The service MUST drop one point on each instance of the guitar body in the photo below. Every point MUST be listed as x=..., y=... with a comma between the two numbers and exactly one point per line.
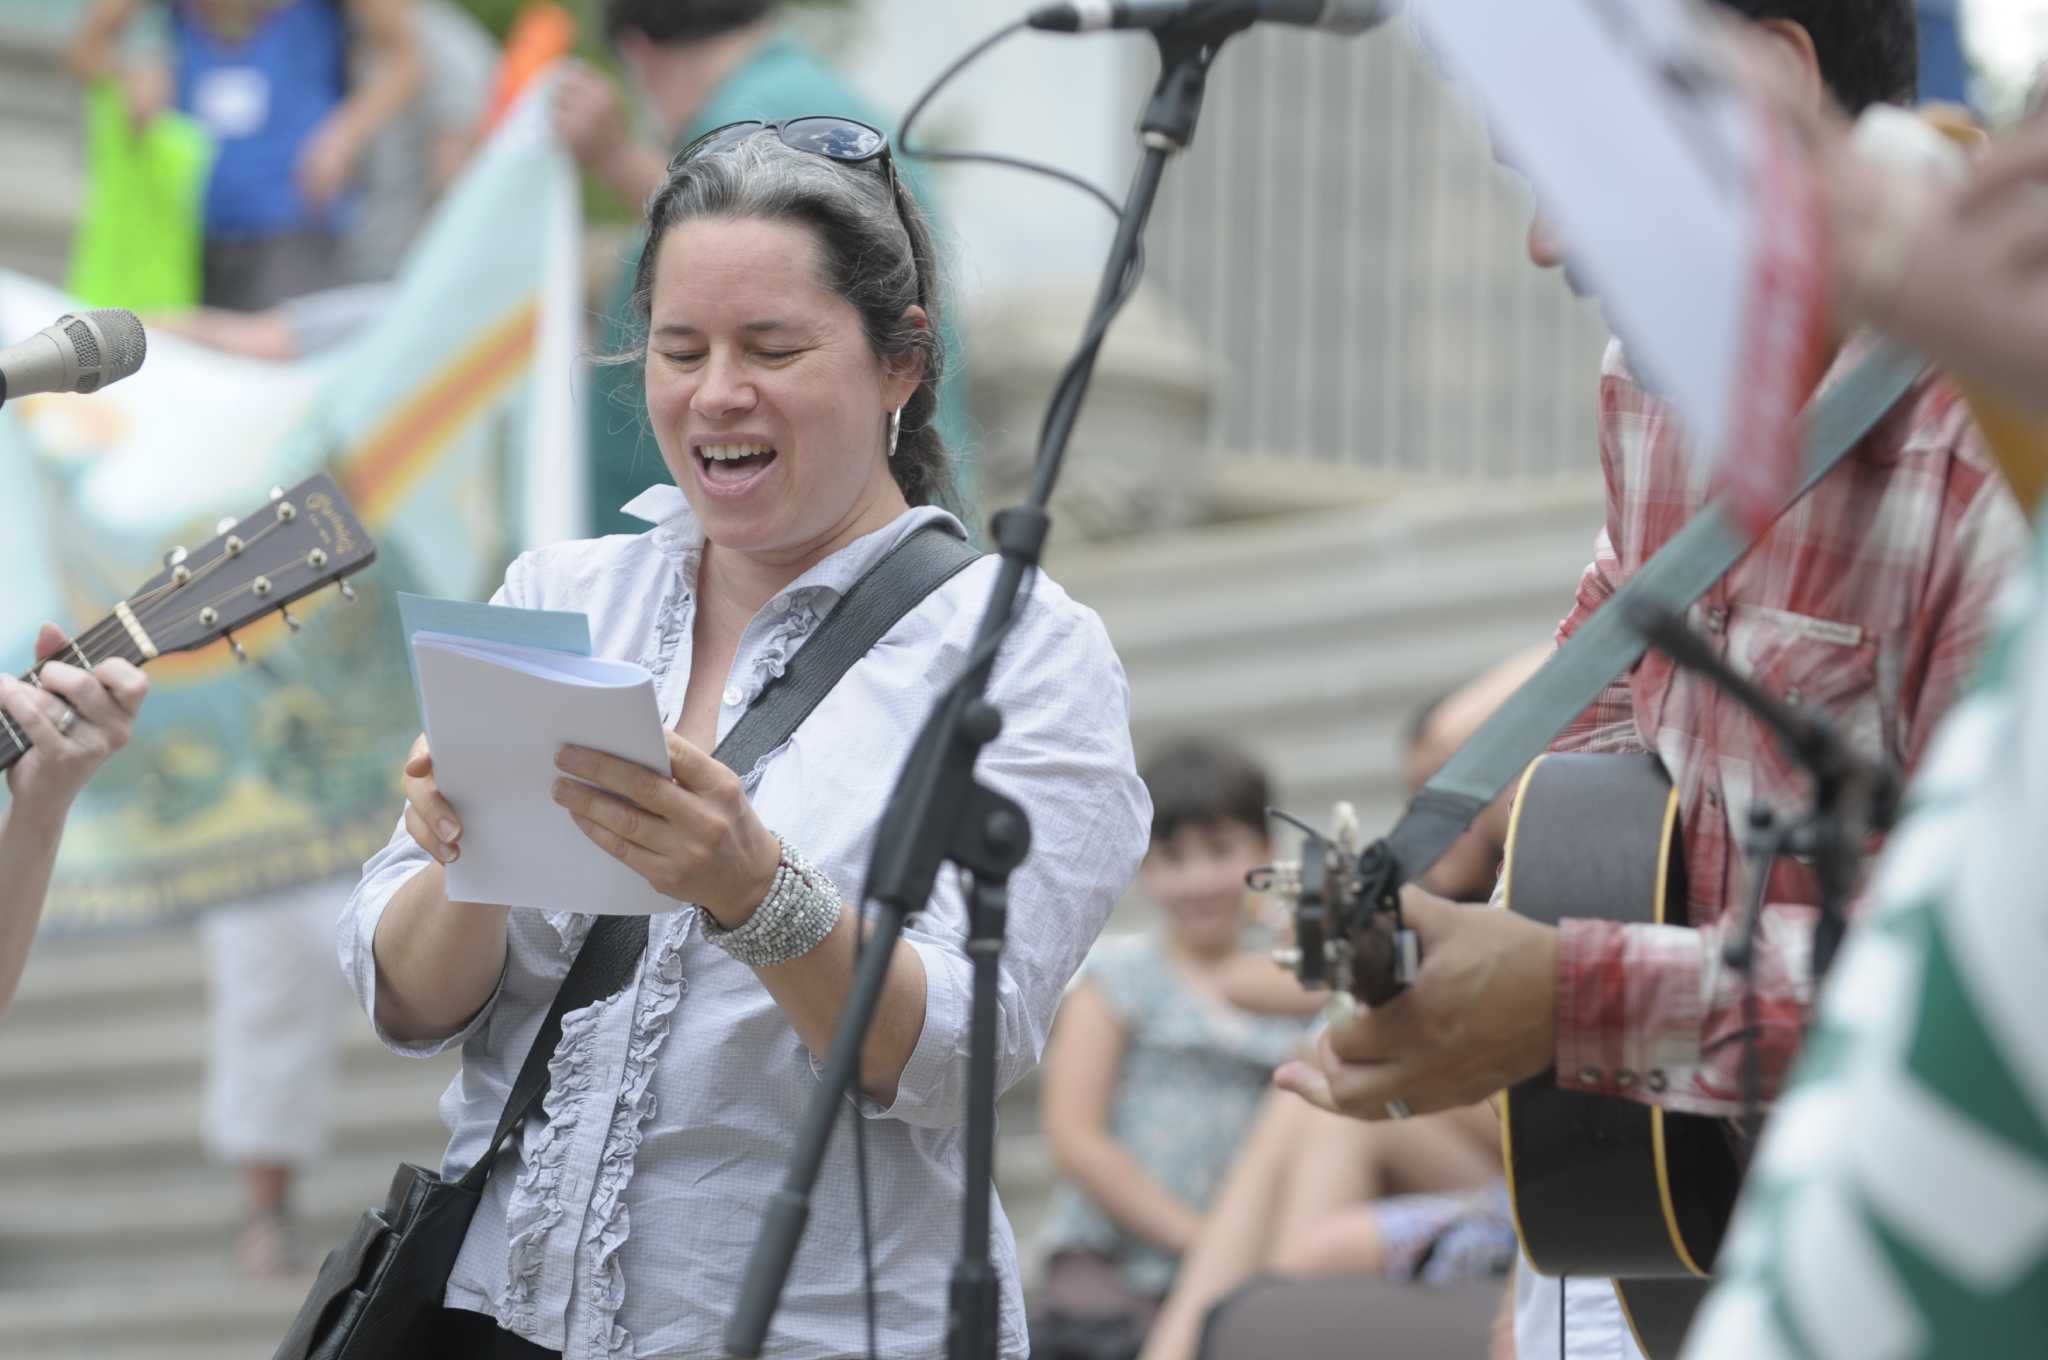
x=1602, y=1186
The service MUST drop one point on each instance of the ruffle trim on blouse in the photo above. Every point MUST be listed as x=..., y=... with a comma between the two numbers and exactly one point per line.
x=677, y=603
x=610, y=1222
x=536, y=1201
x=572, y=928
x=799, y=611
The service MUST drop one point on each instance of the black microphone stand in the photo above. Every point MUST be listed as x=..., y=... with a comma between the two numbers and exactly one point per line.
x=938, y=811
x=1853, y=797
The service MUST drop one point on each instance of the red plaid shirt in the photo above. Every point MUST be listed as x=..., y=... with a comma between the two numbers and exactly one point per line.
x=1867, y=602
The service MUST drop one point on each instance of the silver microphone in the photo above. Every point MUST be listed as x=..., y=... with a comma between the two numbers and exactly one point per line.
x=78, y=352
x=1331, y=16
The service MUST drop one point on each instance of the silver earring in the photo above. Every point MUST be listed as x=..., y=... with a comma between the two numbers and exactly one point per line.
x=895, y=428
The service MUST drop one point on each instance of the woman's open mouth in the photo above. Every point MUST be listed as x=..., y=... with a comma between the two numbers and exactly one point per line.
x=733, y=467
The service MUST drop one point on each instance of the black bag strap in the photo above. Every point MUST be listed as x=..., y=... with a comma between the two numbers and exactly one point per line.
x=925, y=560
x=1607, y=645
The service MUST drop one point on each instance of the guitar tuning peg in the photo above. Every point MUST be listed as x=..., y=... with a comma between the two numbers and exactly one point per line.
x=348, y=592
x=290, y=620
x=225, y=523
x=236, y=647
x=175, y=557
x=277, y=493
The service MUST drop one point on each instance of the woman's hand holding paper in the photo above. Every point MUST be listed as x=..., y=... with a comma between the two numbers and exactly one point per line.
x=693, y=835
x=428, y=817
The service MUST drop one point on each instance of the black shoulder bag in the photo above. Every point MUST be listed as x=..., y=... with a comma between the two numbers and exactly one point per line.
x=379, y=1292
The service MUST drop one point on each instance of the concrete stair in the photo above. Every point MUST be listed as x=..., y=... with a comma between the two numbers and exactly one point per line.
x=42, y=154
x=116, y=1233
x=1309, y=640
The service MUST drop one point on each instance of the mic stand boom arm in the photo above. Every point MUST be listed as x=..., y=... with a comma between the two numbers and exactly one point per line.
x=938, y=811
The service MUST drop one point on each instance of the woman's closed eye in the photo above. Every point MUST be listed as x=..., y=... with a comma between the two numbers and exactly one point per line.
x=691, y=358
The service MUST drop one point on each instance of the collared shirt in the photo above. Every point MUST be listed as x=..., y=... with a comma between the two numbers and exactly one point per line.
x=1866, y=603
x=1898, y=1205
x=621, y=1224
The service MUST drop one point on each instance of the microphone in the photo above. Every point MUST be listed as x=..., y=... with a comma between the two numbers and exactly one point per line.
x=1331, y=16
x=78, y=352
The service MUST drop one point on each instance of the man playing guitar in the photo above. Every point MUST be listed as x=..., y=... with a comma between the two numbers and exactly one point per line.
x=1866, y=603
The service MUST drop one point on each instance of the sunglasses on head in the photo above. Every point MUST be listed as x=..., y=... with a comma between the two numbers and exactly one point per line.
x=836, y=139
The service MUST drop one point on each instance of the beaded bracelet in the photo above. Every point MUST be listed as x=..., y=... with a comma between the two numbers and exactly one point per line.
x=794, y=918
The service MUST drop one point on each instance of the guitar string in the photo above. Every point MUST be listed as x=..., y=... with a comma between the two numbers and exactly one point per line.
x=107, y=629
x=144, y=604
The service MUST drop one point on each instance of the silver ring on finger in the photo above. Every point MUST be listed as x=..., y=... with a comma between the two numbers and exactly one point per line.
x=1398, y=1109
x=67, y=720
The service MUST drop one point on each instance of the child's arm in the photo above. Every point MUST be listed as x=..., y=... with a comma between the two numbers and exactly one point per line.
x=1253, y=982
x=1081, y=1064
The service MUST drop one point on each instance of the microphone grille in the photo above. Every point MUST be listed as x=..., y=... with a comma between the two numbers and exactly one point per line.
x=126, y=344
x=86, y=346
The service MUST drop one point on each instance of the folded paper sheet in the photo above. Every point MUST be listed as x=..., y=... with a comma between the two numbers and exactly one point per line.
x=496, y=715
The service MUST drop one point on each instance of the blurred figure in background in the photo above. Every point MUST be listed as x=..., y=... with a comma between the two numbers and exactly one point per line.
x=690, y=66
x=1311, y=1193
x=404, y=173
x=425, y=145
x=1157, y=1063
x=269, y=80
x=73, y=720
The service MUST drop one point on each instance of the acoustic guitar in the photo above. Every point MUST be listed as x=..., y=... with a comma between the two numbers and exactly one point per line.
x=303, y=539
x=1603, y=1186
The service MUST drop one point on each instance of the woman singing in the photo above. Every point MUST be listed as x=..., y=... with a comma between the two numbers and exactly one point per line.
x=792, y=354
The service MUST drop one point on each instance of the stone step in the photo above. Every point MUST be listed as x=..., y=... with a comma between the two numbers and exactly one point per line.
x=168, y=1052
x=228, y=1318
x=85, y=1135
x=1442, y=524
x=82, y=977
x=1347, y=680
x=146, y=1229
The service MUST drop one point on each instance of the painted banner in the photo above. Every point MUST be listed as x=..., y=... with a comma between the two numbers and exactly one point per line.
x=448, y=416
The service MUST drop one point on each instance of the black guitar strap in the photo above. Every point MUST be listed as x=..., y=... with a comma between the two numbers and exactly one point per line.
x=1605, y=646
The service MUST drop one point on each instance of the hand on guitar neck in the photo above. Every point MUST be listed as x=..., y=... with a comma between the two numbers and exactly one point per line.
x=74, y=717
x=1481, y=1016
x=71, y=718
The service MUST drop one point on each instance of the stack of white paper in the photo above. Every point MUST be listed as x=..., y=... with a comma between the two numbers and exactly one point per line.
x=496, y=715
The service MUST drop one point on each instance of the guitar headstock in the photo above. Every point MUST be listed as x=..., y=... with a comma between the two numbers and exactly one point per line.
x=303, y=539
x=1348, y=934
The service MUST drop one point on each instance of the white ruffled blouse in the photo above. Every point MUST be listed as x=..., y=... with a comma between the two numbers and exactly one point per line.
x=621, y=1224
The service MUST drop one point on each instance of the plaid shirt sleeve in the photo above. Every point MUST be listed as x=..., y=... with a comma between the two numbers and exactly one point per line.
x=1651, y=1012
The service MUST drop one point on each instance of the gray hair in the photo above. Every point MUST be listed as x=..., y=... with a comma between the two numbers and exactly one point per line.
x=868, y=258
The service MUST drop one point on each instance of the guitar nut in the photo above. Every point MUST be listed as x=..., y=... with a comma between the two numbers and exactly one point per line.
x=1623, y=1078
x=1589, y=1076
x=1656, y=1081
